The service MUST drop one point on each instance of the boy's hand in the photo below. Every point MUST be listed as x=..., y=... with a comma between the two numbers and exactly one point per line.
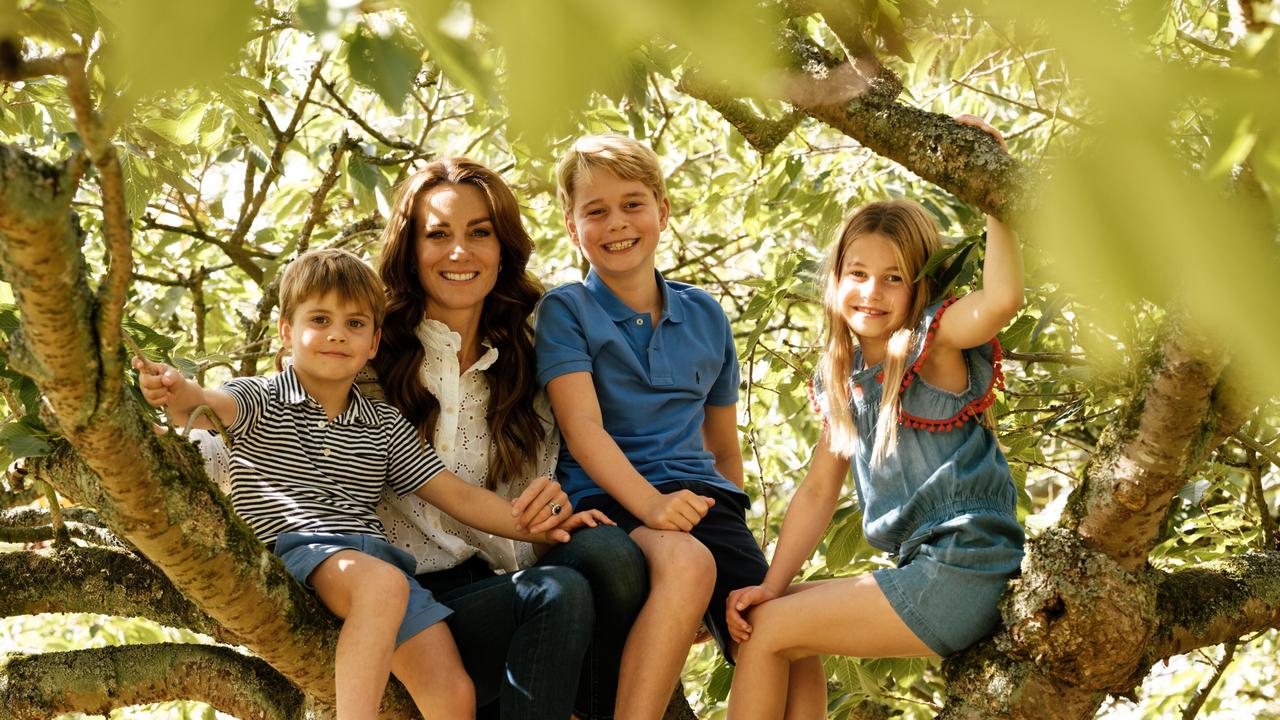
x=738, y=602
x=676, y=511
x=541, y=507
x=159, y=383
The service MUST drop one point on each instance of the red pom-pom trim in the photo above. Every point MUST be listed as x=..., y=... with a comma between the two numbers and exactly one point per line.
x=973, y=408
x=817, y=409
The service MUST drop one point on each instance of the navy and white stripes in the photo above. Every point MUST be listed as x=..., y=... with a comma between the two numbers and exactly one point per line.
x=294, y=470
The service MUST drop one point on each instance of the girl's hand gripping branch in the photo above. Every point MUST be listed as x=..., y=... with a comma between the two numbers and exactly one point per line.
x=976, y=318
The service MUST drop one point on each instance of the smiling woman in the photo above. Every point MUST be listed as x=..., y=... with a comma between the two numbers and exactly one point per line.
x=457, y=359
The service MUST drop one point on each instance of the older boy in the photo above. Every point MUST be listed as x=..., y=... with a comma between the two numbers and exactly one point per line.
x=643, y=379
x=309, y=461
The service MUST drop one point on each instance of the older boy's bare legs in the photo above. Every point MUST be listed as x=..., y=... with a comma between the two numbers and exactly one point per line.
x=682, y=574
x=371, y=596
x=837, y=617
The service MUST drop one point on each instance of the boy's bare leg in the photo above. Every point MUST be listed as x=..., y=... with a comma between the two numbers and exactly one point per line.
x=807, y=690
x=681, y=576
x=429, y=666
x=370, y=596
x=849, y=616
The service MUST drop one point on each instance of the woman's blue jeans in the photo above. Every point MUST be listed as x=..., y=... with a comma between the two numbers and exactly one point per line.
x=547, y=640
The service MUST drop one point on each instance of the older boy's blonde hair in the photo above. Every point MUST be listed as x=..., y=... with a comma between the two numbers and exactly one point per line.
x=625, y=157
x=331, y=270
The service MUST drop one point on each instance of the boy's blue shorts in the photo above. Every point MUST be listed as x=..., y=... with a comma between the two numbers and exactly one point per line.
x=302, y=553
x=739, y=560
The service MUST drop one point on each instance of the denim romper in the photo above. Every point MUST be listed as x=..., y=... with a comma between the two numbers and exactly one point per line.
x=943, y=503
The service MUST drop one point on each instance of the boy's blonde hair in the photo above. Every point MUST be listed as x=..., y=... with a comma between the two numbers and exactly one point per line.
x=914, y=236
x=625, y=157
x=331, y=270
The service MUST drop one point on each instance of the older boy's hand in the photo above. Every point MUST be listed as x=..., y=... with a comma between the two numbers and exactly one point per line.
x=541, y=507
x=159, y=383
x=586, y=518
x=740, y=601
x=680, y=510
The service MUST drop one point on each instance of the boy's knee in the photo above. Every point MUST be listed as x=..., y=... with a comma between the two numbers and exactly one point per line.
x=681, y=558
x=382, y=583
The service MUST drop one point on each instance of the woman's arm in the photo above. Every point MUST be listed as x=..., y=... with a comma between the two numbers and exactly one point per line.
x=577, y=410
x=485, y=510
x=720, y=438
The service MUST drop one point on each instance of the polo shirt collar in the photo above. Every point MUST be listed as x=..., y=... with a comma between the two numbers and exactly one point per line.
x=672, y=304
x=292, y=393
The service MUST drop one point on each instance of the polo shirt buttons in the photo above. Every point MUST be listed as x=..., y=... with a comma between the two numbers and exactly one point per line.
x=639, y=321
x=326, y=452
x=320, y=423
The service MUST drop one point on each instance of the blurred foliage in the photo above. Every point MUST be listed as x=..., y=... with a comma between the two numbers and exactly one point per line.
x=1152, y=124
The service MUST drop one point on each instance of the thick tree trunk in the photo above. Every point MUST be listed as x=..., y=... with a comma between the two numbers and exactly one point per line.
x=150, y=489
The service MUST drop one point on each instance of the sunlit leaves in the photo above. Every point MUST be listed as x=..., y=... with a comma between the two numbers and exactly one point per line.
x=162, y=44
x=386, y=63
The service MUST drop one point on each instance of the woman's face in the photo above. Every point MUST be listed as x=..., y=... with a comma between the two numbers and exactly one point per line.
x=457, y=249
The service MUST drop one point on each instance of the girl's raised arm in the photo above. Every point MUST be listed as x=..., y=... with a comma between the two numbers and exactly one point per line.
x=976, y=318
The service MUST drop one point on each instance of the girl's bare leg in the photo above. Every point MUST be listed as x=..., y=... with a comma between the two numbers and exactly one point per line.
x=429, y=666
x=848, y=616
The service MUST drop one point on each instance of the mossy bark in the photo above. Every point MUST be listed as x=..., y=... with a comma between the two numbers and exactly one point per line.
x=99, y=680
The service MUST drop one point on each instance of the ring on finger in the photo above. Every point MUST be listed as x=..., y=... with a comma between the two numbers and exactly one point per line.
x=554, y=507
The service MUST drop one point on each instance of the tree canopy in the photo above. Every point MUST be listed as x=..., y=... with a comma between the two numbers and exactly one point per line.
x=160, y=162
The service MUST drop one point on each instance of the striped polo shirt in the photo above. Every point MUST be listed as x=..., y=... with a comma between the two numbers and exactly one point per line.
x=294, y=470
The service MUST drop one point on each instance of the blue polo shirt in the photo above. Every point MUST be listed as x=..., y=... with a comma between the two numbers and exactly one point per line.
x=652, y=382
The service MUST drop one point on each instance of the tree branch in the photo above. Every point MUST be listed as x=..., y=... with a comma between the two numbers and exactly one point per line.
x=316, y=212
x=1146, y=454
x=1216, y=602
x=762, y=133
x=100, y=680
x=116, y=228
x=101, y=580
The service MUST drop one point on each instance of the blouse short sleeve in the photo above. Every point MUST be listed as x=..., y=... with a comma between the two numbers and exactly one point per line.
x=926, y=407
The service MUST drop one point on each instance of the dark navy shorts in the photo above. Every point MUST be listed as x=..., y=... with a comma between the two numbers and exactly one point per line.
x=302, y=553
x=739, y=560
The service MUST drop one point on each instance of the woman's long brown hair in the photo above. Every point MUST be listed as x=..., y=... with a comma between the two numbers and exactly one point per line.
x=515, y=429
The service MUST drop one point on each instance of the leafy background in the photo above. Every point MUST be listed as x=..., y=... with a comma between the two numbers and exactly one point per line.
x=1137, y=116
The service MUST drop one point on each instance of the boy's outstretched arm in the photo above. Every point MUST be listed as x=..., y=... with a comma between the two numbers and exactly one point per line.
x=720, y=438
x=577, y=411
x=976, y=318
x=163, y=386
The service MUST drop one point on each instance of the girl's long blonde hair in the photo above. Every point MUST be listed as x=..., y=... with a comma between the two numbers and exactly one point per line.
x=914, y=237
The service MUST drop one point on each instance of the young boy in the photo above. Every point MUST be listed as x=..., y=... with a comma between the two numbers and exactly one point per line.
x=309, y=459
x=643, y=379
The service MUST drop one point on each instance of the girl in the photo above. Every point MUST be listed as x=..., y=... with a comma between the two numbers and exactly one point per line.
x=902, y=389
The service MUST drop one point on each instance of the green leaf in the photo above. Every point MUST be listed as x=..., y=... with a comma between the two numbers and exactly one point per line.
x=717, y=688
x=844, y=541
x=1018, y=333
x=387, y=65
x=20, y=439
x=162, y=44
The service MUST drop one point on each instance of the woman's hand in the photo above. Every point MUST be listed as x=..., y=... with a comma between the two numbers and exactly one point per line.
x=541, y=507
x=586, y=518
x=981, y=124
x=740, y=601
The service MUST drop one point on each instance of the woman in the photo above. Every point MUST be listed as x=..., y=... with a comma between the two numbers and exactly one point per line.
x=457, y=359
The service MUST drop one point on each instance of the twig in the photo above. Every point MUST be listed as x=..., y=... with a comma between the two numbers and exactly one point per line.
x=1017, y=103
x=316, y=212
x=206, y=411
x=755, y=448
x=61, y=538
x=358, y=119
x=1260, y=499
x=116, y=227
x=1047, y=357
x=1263, y=450
x=1197, y=700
